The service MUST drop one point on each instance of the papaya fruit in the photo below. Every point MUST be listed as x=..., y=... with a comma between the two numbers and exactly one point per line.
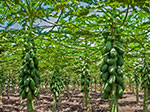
x=26, y=82
x=24, y=95
x=106, y=95
x=119, y=91
x=112, y=61
x=32, y=84
x=27, y=57
x=106, y=58
x=113, y=53
x=112, y=69
x=107, y=87
x=112, y=79
x=104, y=68
x=120, y=60
x=120, y=71
x=104, y=76
x=108, y=46
x=120, y=39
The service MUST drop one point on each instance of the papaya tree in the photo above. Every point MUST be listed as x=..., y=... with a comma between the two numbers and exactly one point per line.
x=56, y=86
x=85, y=82
x=111, y=68
x=145, y=76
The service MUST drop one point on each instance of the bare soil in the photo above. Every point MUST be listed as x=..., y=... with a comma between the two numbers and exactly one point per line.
x=73, y=104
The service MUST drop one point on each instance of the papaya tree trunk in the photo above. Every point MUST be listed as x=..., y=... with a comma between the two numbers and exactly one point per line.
x=8, y=90
x=67, y=86
x=137, y=93
x=30, y=104
x=91, y=85
x=95, y=85
x=54, y=104
x=145, y=102
x=59, y=100
x=1, y=103
x=114, y=100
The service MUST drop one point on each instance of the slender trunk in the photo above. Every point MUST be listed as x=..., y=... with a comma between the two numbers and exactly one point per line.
x=114, y=100
x=30, y=104
x=1, y=103
x=91, y=85
x=132, y=86
x=59, y=100
x=74, y=86
x=101, y=89
x=78, y=85
x=95, y=85
x=145, y=102
x=67, y=85
x=137, y=93
x=54, y=104
x=8, y=89
x=86, y=99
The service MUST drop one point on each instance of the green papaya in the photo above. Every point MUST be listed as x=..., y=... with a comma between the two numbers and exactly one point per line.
x=88, y=82
x=31, y=64
x=120, y=39
x=25, y=69
x=37, y=81
x=113, y=53
x=120, y=71
x=112, y=61
x=87, y=88
x=120, y=60
x=26, y=82
x=32, y=84
x=112, y=69
x=27, y=89
x=112, y=79
x=107, y=87
x=106, y=58
x=82, y=81
x=106, y=95
x=104, y=68
x=33, y=72
x=36, y=61
x=120, y=81
x=24, y=95
x=27, y=57
x=108, y=46
x=109, y=38
x=105, y=76
x=56, y=93
x=36, y=93
x=119, y=91
x=82, y=89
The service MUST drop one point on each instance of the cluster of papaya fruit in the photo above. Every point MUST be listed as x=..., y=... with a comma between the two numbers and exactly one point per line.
x=145, y=70
x=111, y=70
x=29, y=77
x=56, y=84
x=85, y=77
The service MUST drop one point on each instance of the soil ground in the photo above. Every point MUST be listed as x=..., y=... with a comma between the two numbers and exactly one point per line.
x=73, y=104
